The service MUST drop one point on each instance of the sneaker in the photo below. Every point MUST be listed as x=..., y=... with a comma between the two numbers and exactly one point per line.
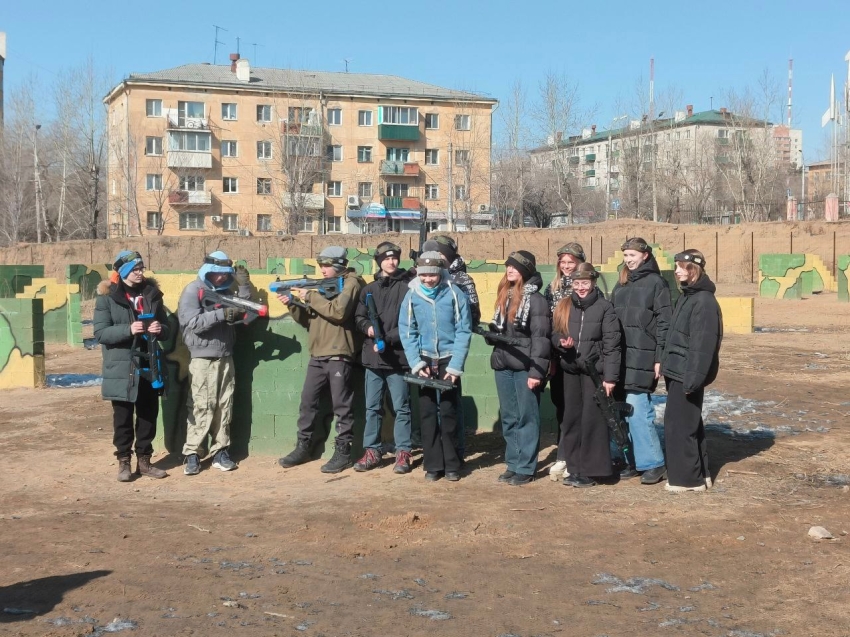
x=674, y=489
x=507, y=475
x=371, y=459
x=628, y=473
x=432, y=476
x=582, y=482
x=520, y=479
x=708, y=482
x=654, y=476
x=452, y=476
x=569, y=479
x=340, y=461
x=191, y=465
x=557, y=471
x=299, y=455
x=221, y=460
x=402, y=462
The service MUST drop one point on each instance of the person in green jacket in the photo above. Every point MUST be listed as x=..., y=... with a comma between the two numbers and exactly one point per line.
x=121, y=333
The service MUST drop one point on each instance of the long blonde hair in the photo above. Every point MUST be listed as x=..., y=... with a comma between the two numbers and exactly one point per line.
x=506, y=287
x=561, y=316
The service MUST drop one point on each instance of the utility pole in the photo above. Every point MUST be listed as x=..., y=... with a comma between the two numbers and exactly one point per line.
x=451, y=197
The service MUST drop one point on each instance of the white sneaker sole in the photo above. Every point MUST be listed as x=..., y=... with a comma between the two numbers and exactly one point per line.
x=217, y=465
x=674, y=489
x=556, y=473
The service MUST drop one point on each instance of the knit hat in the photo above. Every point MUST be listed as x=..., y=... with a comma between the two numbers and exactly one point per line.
x=443, y=244
x=126, y=262
x=636, y=243
x=386, y=249
x=335, y=256
x=585, y=271
x=431, y=262
x=524, y=262
x=572, y=249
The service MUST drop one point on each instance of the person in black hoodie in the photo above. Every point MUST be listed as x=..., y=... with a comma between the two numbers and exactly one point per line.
x=690, y=362
x=521, y=312
x=386, y=368
x=585, y=324
x=642, y=301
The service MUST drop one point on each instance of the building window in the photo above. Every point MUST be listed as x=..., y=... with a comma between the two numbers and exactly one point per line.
x=462, y=122
x=154, y=220
x=460, y=192
x=305, y=225
x=432, y=191
x=334, y=117
x=180, y=140
x=723, y=133
x=334, y=153
x=432, y=121
x=264, y=112
x=687, y=134
x=264, y=223
x=364, y=154
x=364, y=118
x=190, y=110
x=153, y=182
x=432, y=157
x=230, y=223
x=364, y=189
x=153, y=145
x=264, y=186
x=230, y=184
x=398, y=154
x=461, y=157
x=334, y=224
x=228, y=148
x=398, y=115
x=194, y=183
x=191, y=221
x=264, y=150
x=299, y=115
x=153, y=108
x=397, y=190
x=334, y=189
x=228, y=111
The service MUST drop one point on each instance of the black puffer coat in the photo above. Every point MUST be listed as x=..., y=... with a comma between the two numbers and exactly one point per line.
x=594, y=328
x=692, y=354
x=533, y=354
x=388, y=292
x=643, y=307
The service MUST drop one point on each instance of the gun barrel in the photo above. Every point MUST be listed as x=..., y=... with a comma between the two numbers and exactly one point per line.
x=279, y=287
x=234, y=301
x=372, y=311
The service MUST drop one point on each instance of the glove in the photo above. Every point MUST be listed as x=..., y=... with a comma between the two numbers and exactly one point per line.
x=242, y=276
x=232, y=315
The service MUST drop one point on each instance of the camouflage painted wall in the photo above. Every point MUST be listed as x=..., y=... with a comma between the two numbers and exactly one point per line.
x=793, y=276
x=61, y=305
x=14, y=278
x=21, y=343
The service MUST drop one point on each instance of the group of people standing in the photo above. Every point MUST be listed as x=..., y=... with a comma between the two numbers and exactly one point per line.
x=559, y=335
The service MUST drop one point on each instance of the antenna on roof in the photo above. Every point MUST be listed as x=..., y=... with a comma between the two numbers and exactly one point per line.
x=255, y=45
x=347, y=60
x=217, y=41
x=237, y=44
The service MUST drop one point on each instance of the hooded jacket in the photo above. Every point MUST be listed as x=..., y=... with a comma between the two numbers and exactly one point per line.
x=388, y=291
x=692, y=353
x=205, y=331
x=437, y=328
x=643, y=307
x=594, y=327
x=113, y=315
x=330, y=322
x=533, y=355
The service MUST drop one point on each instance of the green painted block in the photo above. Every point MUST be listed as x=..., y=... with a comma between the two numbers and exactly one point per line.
x=779, y=264
x=795, y=291
x=769, y=288
x=806, y=283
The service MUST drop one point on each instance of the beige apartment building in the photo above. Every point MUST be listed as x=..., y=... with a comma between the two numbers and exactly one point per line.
x=202, y=149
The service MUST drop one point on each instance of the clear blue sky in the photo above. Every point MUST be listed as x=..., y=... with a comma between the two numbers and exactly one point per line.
x=703, y=49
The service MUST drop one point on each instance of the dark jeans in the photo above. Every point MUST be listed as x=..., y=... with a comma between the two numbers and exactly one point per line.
x=377, y=381
x=520, y=412
x=146, y=409
x=321, y=374
x=438, y=415
x=684, y=437
x=584, y=432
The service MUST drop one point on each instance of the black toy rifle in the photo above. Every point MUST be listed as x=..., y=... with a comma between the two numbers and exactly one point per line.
x=251, y=309
x=492, y=337
x=372, y=311
x=430, y=383
x=328, y=288
x=613, y=411
x=423, y=235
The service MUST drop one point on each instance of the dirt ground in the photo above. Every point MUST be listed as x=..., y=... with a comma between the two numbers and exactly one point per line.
x=263, y=551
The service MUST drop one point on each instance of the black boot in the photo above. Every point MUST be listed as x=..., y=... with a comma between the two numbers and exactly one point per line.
x=124, y=474
x=297, y=456
x=341, y=459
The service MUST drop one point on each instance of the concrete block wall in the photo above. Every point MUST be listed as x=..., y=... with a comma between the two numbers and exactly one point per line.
x=87, y=277
x=793, y=276
x=14, y=278
x=61, y=307
x=841, y=269
x=21, y=343
x=738, y=314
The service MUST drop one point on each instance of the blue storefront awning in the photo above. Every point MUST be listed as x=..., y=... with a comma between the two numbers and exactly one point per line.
x=404, y=214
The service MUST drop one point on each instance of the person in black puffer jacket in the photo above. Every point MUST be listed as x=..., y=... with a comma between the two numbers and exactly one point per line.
x=586, y=324
x=521, y=312
x=385, y=369
x=690, y=362
x=642, y=301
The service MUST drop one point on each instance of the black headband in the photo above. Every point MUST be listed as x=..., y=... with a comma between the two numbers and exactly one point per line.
x=632, y=244
x=690, y=258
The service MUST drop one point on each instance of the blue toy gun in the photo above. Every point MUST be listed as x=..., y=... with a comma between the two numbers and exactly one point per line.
x=149, y=363
x=372, y=311
x=328, y=288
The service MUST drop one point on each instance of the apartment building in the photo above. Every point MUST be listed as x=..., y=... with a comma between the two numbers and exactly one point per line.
x=201, y=149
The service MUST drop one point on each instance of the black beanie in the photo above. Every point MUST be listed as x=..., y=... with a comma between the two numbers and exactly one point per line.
x=386, y=249
x=443, y=244
x=524, y=262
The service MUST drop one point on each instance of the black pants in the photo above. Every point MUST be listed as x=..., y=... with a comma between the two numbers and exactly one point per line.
x=584, y=434
x=556, y=393
x=438, y=417
x=146, y=408
x=322, y=373
x=684, y=437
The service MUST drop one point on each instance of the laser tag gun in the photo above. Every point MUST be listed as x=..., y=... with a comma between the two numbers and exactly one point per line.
x=252, y=310
x=423, y=235
x=372, y=311
x=493, y=336
x=430, y=383
x=147, y=362
x=613, y=411
x=329, y=288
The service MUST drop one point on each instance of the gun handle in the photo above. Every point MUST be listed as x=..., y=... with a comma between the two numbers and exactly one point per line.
x=380, y=345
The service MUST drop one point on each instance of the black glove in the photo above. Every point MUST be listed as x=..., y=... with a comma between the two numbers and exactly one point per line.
x=232, y=315
x=242, y=276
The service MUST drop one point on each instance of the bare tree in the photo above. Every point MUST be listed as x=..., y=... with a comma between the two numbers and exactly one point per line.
x=16, y=173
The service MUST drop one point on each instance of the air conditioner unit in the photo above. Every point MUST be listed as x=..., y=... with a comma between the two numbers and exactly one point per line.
x=244, y=232
x=215, y=218
x=353, y=201
x=281, y=233
x=483, y=208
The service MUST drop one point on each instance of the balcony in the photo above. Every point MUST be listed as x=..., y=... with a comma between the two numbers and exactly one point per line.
x=301, y=130
x=398, y=132
x=590, y=173
x=189, y=159
x=401, y=203
x=311, y=201
x=614, y=170
x=399, y=168
x=615, y=184
x=723, y=141
x=575, y=160
x=590, y=158
x=190, y=197
x=188, y=123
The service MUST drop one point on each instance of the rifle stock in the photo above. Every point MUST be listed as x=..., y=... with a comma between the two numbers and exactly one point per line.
x=612, y=410
x=430, y=383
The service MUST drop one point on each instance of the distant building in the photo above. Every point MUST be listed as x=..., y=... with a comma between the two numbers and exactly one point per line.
x=201, y=149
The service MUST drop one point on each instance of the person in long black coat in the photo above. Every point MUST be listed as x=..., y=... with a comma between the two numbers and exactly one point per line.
x=584, y=325
x=689, y=364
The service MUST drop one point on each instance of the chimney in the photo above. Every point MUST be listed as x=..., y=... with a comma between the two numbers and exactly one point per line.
x=243, y=70
x=690, y=108
x=723, y=111
x=233, y=58
x=593, y=128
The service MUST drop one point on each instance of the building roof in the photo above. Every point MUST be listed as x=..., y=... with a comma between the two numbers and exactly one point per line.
x=299, y=82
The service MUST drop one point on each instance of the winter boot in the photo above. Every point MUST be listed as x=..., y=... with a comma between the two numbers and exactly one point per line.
x=297, y=456
x=124, y=469
x=341, y=459
x=145, y=468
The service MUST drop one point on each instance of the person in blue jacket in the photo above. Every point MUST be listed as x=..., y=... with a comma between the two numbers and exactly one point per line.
x=435, y=329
